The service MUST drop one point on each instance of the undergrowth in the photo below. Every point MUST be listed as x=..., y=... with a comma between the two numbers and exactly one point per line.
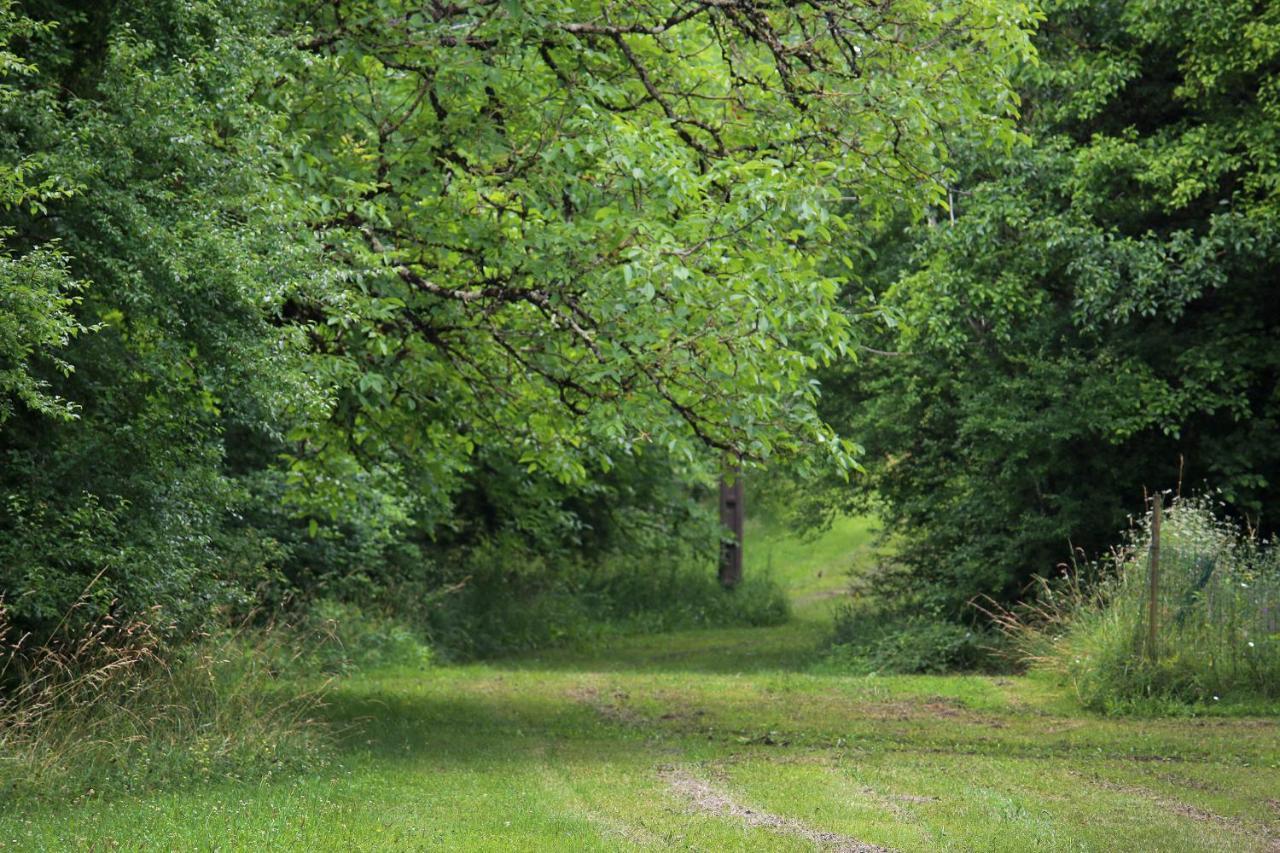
x=110, y=707
x=508, y=598
x=105, y=707
x=869, y=640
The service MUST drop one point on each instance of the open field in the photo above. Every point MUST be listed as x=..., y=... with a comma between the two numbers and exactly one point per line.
x=718, y=740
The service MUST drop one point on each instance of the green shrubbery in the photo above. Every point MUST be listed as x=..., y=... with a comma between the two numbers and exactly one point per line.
x=890, y=625
x=868, y=641
x=1217, y=620
x=342, y=638
x=1095, y=311
x=505, y=596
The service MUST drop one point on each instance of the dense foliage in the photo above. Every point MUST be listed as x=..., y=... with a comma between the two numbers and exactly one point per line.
x=417, y=304
x=150, y=249
x=576, y=231
x=1095, y=314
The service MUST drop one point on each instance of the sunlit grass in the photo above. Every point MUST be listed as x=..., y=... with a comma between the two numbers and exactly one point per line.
x=812, y=567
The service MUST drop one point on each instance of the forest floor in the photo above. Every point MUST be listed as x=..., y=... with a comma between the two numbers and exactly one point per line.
x=719, y=740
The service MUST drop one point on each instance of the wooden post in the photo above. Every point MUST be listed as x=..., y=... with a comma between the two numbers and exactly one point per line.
x=732, y=514
x=1153, y=580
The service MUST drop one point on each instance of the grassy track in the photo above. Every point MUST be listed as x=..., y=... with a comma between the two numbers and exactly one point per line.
x=719, y=740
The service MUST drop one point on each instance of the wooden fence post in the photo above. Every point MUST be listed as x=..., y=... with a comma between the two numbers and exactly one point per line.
x=1153, y=580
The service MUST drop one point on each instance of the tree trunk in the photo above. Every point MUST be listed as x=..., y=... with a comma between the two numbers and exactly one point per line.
x=732, y=514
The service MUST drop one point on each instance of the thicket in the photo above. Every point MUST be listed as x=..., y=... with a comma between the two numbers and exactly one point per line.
x=1090, y=315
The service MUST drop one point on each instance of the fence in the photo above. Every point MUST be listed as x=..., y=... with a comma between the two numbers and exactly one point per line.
x=1208, y=600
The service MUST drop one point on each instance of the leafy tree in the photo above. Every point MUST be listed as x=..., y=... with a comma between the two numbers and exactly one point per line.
x=141, y=164
x=36, y=292
x=577, y=231
x=1095, y=315
x=456, y=266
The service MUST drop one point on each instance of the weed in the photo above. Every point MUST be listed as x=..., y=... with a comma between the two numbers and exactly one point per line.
x=114, y=709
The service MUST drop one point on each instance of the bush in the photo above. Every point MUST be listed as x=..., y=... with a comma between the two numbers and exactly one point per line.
x=1217, y=612
x=867, y=641
x=342, y=638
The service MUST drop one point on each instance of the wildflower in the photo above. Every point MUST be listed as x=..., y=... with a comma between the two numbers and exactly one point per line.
x=1215, y=698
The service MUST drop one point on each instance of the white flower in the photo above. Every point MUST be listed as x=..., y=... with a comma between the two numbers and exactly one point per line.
x=1215, y=698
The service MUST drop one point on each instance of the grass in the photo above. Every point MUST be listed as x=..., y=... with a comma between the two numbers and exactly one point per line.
x=1216, y=620
x=117, y=710
x=716, y=740
x=813, y=570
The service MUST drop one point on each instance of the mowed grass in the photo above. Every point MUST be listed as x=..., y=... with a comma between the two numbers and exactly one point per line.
x=813, y=569
x=716, y=740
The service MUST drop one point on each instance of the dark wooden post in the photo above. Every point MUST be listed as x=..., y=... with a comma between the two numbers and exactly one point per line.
x=732, y=514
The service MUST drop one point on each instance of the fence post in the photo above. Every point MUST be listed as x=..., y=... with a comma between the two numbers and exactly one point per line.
x=1153, y=580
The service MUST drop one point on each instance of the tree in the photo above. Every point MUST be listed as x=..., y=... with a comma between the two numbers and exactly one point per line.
x=144, y=203
x=336, y=262
x=1095, y=316
x=581, y=230
x=37, y=294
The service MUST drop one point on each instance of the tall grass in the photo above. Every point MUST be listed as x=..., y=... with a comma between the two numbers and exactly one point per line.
x=1216, y=614
x=107, y=707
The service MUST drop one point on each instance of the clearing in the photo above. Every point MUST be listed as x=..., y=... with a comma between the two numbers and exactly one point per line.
x=720, y=740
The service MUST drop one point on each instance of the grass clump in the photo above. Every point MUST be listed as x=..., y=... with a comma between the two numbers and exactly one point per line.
x=1217, y=620
x=117, y=710
x=342, y=638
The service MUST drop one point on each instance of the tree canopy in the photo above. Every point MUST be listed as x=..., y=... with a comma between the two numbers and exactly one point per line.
x=578, y=230
x=294, y=291
x=1095, y=314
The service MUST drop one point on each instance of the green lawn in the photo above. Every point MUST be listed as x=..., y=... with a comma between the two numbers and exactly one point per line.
x=812, y=569
x=719, y=740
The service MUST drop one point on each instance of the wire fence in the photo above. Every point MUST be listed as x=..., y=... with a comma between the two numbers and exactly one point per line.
x=1205, y=600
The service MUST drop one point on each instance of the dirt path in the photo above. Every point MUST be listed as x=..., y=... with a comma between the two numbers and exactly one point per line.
x=704, y=797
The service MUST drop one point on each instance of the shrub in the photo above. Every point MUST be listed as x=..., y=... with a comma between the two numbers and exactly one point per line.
x=341, y=638
x=1217, y=619
x=868, y=641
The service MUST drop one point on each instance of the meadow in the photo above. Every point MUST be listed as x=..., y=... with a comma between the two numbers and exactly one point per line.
x=715, y=739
